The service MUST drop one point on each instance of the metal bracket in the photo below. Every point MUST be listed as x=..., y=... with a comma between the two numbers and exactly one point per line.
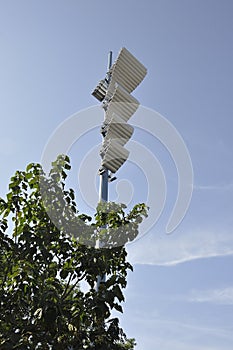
x=111, y=179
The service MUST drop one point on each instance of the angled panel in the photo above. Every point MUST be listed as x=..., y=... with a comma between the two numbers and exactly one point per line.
x=127, y=71
x=117, y=129
x=114, y=155
x=121, y=103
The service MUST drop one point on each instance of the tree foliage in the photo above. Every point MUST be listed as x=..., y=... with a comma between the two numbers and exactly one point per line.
x=46, y=258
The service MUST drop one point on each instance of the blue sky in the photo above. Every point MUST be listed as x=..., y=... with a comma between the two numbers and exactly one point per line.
x=53, y=53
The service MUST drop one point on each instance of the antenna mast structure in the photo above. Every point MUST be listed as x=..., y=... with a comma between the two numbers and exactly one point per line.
x=104, y=176
x=122, y=77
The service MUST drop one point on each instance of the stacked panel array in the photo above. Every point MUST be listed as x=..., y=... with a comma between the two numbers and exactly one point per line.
x=125, y=75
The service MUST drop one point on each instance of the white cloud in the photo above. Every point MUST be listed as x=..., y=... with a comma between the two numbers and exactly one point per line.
x=222, y=296
x=168, y=250
x=220, y=187
x=177, y=335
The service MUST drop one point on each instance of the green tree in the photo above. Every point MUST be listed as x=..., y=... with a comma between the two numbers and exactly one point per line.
x=47, y=256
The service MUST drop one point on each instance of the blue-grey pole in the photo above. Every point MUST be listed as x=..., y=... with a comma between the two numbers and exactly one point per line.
x=103, y=191
x=103, y=186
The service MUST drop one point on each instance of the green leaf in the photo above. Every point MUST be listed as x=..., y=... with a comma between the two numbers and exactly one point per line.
x=118, y=293
x=118, y=307
x=38, y=313
x=67, y=166
x=64, y=273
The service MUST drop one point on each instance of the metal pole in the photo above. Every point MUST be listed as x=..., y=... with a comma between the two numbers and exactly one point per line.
x=103, y=189
x=103, y=186
x=109, y=64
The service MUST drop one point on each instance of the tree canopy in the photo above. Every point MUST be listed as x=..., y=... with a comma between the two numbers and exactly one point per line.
x=47, y=252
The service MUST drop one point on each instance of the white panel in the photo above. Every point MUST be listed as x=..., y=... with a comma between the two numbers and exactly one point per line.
x=127, y=71
x=118, y=129
x=121, y=103
x=115, y=155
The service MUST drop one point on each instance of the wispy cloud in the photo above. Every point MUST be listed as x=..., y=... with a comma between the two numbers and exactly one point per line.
x=222, y=296
x=176, y=249
x=216, y=187
x=179, y=335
